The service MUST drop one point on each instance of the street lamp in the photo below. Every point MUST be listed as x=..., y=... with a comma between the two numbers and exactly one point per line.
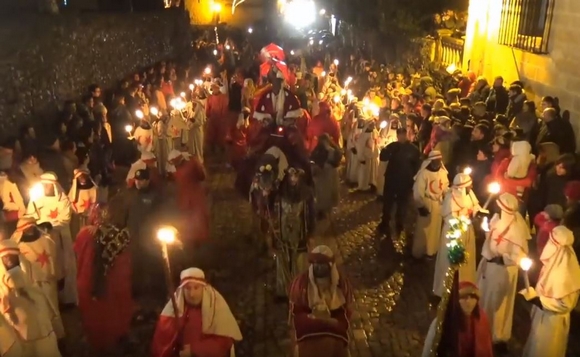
x=322, y=12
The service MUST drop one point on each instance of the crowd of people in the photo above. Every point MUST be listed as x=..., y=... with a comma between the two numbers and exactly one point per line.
x=287, y=123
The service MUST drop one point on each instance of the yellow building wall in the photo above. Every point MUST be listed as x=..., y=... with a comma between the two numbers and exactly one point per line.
x=200, y=13
x=556, y=74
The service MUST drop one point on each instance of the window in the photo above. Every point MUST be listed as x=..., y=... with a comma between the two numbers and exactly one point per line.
x=525, y=24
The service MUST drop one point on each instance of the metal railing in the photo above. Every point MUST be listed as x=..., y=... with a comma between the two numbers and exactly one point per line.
x=451, y=51
x=525, y=24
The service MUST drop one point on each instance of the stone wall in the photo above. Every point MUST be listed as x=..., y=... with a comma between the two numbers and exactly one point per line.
x=555, y=74
x=45, y=60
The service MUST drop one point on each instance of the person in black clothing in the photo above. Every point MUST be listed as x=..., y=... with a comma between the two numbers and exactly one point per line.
x=404, y=160
x=498, y=99
x=556, y=130
x=425, y=127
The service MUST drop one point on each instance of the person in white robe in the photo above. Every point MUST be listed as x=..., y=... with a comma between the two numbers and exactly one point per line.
x=555, y=296
x=367, y=154
x=144, y=136
x=431, y=182
x=12, y=201
x=53, y=206
x=505, y=245
x=177, y=124
x=147, y=161
x=39, y=269
x=82, y=196
x=458, y=202
x=161, y=143
x=28, y=329
x=196, y=127
x=40, y=250
x=352, y=164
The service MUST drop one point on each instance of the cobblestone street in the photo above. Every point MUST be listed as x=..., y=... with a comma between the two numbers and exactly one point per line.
x=391, y=311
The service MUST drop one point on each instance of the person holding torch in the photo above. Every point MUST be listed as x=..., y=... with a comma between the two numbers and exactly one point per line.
x=505, y=245
x=555, y=296
x=196, y=322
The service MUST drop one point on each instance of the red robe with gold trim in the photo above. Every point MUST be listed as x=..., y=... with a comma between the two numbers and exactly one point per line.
x=266, y=107
x=306, y=327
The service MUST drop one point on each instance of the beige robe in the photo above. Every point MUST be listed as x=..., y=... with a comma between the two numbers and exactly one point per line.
x=367, y=152
x=497, y=283
x=456, y=204
x=428, y=191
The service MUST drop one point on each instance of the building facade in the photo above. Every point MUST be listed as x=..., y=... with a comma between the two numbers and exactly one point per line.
x=533, y=41
x=205, y=12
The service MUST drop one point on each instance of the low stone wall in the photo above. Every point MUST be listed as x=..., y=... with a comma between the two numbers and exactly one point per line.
x=45, y=59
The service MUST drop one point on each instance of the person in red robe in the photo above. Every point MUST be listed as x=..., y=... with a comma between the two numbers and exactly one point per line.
x=466, y=331
x=197, y=321
x=324, y=123
x=104, y=280
x=217, y=115
x=238, y=139
x=320, y=308
x=189, y=176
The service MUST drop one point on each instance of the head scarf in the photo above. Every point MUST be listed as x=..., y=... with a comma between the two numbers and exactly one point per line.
x=508, y=231
x=170, y=165
x=521, y=159
x=217, y=318
x=141, y=164
x=323, y=254
x=49, y=178
x=23, y=224
x=18, y=293
x=560, y=275
x=457, y=202
x=433, y=155
x=73, y=194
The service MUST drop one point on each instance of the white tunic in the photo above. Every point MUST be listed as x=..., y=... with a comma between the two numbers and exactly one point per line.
x=352, y=164
x=497, y=283
x=428, y=191
x=42, y=254
x=456, y=205
x=550, y=327
x=84, y=201
x=144, y=139
x=57, y=211
x=367, y=152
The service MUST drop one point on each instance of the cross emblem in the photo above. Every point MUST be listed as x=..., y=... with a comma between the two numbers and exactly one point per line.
x=53, y=214
x=86, y=204
x=43, y=258
x=499, y=239
x=148, y=140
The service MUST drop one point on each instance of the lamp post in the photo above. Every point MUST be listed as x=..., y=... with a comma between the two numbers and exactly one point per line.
x=166, y=236
x=216, y=9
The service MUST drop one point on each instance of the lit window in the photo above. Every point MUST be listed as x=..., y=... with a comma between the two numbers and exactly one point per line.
x=525, y=24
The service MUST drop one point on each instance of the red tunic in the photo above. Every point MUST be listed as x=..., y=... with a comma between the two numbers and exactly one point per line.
x=323, y=123
x=475, y=340
x=106, y=319
x=191, y=199
x=306, y=327
x=237, y=138
x=165, y=339
x=218, y=118
x=544, y=225
x=511, y=185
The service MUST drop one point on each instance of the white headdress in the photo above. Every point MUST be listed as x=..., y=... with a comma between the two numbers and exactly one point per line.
x=433, y=155
x=521, y=159
x=315, y=297
x=560, y=275
x=217, y=318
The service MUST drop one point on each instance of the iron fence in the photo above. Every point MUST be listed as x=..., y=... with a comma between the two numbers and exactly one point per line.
x=525, y=24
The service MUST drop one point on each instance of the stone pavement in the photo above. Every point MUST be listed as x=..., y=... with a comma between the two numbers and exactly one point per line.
x=391, y=311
